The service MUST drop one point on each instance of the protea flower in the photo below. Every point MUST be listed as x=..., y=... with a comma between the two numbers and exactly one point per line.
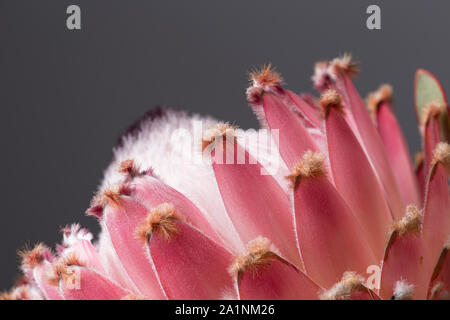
x=222, y=214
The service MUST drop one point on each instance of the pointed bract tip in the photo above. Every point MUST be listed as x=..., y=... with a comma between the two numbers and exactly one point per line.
x=344, y=65
x=161, y=219
x=403, y=290
x=129, y=168
x=62, y=269
x=433, y=109
x=32, y=258
x=310, y=165
x=221, y=129
x=258, y=255
x=132, y=296
x=321, y=78
x=266, y=75
x=74, y=233
x=330, y=99
x=411, y=222
x=264, y=79
x=325, y=73
x=374, y=99
x=442, y=154
x=342, y=290
x=110, y=197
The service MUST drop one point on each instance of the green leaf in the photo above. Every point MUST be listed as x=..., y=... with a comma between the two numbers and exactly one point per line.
x=428, y=88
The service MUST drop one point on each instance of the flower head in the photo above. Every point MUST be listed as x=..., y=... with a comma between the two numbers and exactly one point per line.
x=184, y=216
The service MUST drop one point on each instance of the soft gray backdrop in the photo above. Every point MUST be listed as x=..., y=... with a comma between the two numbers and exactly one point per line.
x=65, y=96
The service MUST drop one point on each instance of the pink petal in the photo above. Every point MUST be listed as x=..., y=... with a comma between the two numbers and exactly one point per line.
x=431, y=138
x=294, y=139
x=121, y=220
x=255, y=202
x=90, y=285
x=331, y=240
x=263, y=275
x=398, y=154
x=403, y=261
x=420, y=174
x=310, y=112
x=405, y=257
x=436, y=220
x=440, y=281
x=113, y=266
x=151, y=192
x=190, y=265
x=39, y=275
x=86, y=252
x=278, y=281
x=373, y=145
x=356, y=182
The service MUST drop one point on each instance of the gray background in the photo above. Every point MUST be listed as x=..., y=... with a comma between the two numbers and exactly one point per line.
x=65, y=96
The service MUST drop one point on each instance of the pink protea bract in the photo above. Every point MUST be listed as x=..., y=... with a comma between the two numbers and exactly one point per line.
x=322, y=202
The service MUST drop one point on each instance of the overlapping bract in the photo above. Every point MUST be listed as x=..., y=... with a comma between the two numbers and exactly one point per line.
x=344, y=197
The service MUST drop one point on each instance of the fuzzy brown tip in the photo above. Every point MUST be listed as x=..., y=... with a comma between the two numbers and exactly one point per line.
x=62, y=269
x=32, y=258
x=161, y=219
x=221, y=129
x=129, y=168
x=344, y=65
x=257, y=256
x=311, y=165
x=441, y=154
x=410, y=223
x=109, y=197
x=433, y=109
x=342, y=290
x=265, y=76
x=330, y=99
x=374, y=99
